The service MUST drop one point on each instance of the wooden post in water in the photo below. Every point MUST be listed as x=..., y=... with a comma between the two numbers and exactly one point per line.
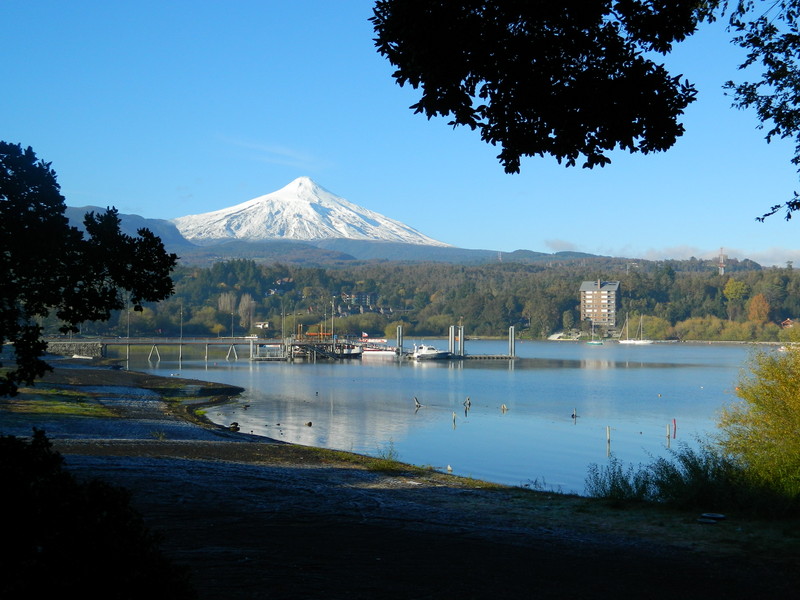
x=608, y=440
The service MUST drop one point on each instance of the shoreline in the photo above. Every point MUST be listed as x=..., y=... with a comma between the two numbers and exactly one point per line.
x=297, y=510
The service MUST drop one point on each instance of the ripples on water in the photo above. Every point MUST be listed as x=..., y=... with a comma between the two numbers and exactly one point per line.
x=367, y=406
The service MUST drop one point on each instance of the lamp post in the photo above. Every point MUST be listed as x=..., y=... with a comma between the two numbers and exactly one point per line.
x=128, y=340
x=180, y=345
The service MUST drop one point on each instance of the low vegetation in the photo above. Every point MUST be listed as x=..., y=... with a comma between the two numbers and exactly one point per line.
x=752, y=466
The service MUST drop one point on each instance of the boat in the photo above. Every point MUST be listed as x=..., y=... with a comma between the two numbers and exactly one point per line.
x=376, y=347
x=369, y=350
x=640, y=341
x=347, y=350
x=426, y=352
x=593, y=341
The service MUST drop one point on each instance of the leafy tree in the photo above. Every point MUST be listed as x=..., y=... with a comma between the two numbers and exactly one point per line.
x=568, y=319
x=763, y=430
x=47, y=266
x=576, y=79
x=758, y=308
x=735, y=292
x=569, y=78
x=771, y=35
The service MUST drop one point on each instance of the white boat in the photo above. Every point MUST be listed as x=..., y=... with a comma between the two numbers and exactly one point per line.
x=640, y=341
x=425, y=352
x=377, y=351
x=347, y=350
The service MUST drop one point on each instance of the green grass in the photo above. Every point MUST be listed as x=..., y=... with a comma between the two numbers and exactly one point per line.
x=57, y=402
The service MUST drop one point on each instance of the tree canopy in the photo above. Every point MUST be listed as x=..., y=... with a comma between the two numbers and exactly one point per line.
x=576, y=80
x=772, y=38
x=569, y=79
x=761, y=431
x=47, y=266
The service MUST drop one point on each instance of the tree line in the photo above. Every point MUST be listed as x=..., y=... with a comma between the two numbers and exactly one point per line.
x=677, y=299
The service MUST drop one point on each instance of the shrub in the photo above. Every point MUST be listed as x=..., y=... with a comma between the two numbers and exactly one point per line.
x=762, y=431
x=65, y=537
x=704, y=479
x=616, y=483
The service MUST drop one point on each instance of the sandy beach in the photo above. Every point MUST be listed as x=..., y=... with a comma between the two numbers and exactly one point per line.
x=257, y=518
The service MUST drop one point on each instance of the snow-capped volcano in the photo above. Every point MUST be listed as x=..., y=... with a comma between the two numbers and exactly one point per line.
x=300, y=211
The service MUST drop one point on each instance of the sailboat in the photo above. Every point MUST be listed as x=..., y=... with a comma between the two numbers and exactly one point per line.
x=594, y=342
x=638, y=340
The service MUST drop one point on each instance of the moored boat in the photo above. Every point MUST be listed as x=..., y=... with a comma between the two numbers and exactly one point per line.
x=639, y=341
x=378, y=351
x=426, y=352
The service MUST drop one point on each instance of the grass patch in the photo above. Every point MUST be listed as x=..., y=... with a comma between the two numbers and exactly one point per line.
x=59, y=403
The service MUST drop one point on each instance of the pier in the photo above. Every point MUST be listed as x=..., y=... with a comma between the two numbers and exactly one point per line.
x=307, y=347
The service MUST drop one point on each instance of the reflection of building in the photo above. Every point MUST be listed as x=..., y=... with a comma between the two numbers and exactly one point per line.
x=599, y=302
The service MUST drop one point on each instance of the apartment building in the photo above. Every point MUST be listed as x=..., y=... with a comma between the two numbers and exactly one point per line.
x=599, y=302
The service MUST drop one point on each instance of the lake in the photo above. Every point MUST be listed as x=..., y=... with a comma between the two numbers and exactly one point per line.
x=519, y=428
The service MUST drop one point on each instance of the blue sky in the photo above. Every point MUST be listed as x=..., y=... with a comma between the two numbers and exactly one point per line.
x=165, y=109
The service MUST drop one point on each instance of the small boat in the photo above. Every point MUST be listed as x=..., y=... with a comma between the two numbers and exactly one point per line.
x=425, y=352
x=378, y=351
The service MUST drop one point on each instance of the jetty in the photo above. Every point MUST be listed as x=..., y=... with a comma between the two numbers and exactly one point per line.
x=306, y=347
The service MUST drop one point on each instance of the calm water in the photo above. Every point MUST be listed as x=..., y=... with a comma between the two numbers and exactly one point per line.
x=367, y=406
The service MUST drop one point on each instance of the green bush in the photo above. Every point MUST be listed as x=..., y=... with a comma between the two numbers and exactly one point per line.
x=63, y=537
x=762, y=431
x=704, y=479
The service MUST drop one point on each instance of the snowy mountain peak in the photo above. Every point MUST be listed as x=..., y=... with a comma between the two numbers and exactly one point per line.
x=302, y=210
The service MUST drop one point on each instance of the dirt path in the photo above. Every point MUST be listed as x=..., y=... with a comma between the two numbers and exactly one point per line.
x=255, y=519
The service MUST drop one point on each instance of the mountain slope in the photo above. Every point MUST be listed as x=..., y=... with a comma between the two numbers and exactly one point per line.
x=301, y=210
x=130, y=224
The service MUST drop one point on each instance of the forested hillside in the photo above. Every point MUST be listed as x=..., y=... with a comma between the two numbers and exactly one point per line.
x=678, y=299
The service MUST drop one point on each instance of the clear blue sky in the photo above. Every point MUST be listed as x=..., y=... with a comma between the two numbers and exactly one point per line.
x=165, y=109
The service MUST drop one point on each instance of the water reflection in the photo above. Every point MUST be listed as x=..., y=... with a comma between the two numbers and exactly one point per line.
x=544, y=416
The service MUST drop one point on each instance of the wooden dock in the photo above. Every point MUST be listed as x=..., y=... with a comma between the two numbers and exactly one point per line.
x=260, y=350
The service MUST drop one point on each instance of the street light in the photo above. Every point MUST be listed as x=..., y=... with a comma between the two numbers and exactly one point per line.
x=180, y=346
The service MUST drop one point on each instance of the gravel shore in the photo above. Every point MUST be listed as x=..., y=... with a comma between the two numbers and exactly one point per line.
x=257, y=518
